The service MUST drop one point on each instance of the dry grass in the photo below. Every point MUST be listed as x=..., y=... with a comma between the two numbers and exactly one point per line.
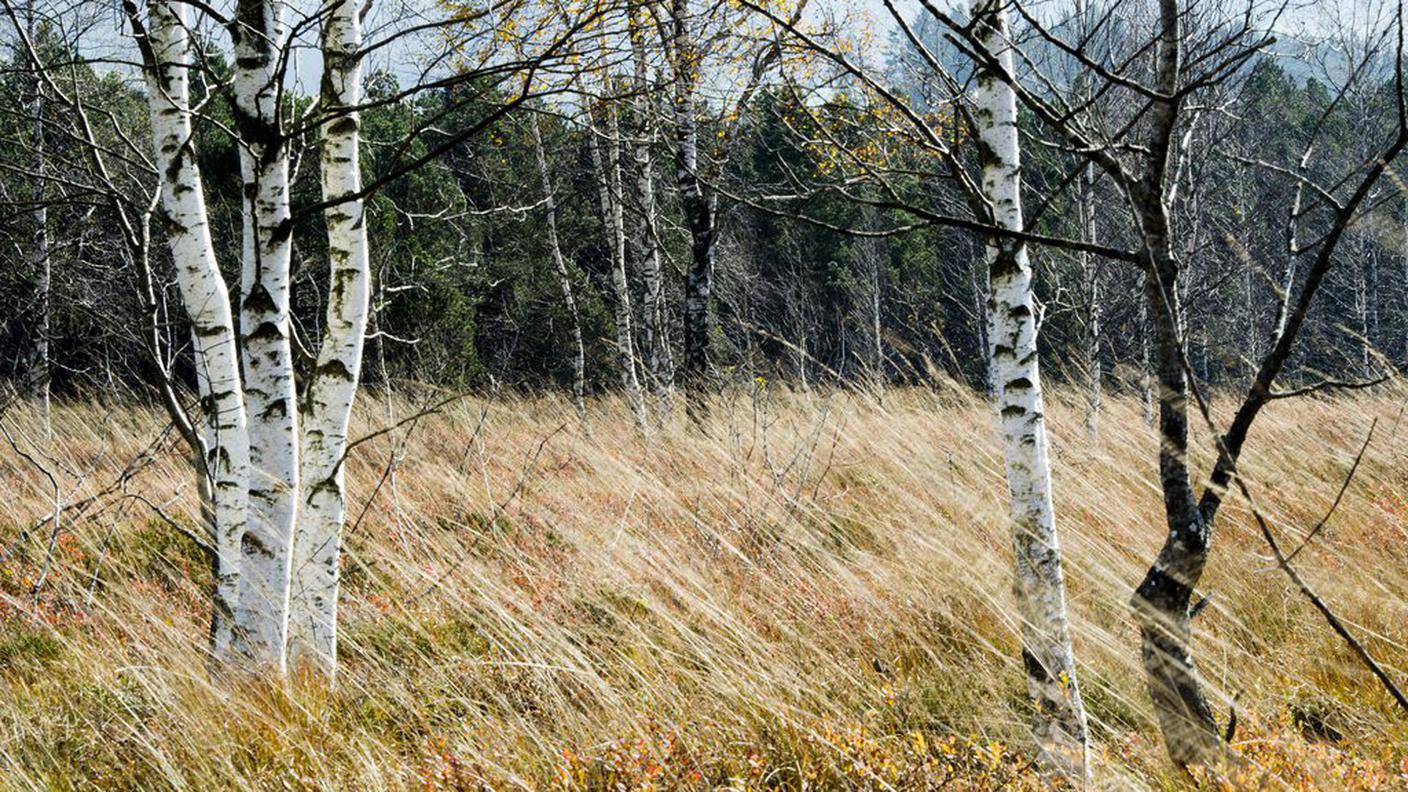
x=814, y=596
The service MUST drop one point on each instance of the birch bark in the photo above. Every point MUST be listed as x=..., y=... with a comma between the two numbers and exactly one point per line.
x=609, y=185
x=1091, y=270
x=699, y=210
x=223, y=427
x=39, y=369
x=655, y=340
x=332, y=388
x=261, y=615
x=1059, y=724
x=579, y=349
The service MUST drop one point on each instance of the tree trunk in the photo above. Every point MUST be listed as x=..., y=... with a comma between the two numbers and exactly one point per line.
x=699, y=205
x=261, y=615
x=327, y=408
x=1146, y=380
x=877, y=341
x=1163, y=600
x=223, y=428
x=1059, y=724
x=37, y=369
x=655, y=338
x=579, y=350
x=1091, y=270
x=608, y=174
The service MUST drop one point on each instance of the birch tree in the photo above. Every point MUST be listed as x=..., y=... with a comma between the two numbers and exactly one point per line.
x=261, y=615
x=579, y=350
x=1059, y=721
x=168, y=58
x=332, y=385
x=697, y=164
x=655, y=337
x=606, y=166
x=37, y=369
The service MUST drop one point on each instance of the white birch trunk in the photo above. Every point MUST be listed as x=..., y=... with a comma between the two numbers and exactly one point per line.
x=261, y=615
x=333, y=385
x=609, y=185
x=655, y=340
x=1091, y=270
x=579, y=349
x=39, y=368
x=207, y=302
x=1059, y=725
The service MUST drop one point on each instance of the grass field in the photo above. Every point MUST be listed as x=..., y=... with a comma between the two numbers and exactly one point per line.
x=814, y=595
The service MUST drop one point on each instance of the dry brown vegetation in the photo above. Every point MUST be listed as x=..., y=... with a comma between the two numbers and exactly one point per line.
x=813, y=596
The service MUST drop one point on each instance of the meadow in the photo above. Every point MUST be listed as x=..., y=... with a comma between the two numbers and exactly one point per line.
x=812, y=594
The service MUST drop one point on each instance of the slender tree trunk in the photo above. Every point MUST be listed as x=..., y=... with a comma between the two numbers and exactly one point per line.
x=38, y=370
x=699, y=205
x=564, y=280
x=608, y=172
x=332, y=388
x=979, y=287
x=1370, y=323
x=1164, y=598
x=261, y=615
x=167, y=53
x=1146, y=380
x=877, y=341
x=1249, y=319
x=1090, y=268
x=1162, y=602
x=654, y=327
x=1059, y=724
x=796, y=310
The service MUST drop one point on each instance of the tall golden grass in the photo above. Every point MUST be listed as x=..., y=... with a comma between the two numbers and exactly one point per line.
x=814, y=594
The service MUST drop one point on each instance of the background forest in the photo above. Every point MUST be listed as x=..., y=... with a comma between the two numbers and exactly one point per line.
x=467, y=298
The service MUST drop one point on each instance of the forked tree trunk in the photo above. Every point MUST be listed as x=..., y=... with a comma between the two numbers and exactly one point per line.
x=1059, y=724
x=1164, y=598
x=261, y=615
x=223, y=428
x=1162, y=602
x=564, y=280
x=327, y=408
